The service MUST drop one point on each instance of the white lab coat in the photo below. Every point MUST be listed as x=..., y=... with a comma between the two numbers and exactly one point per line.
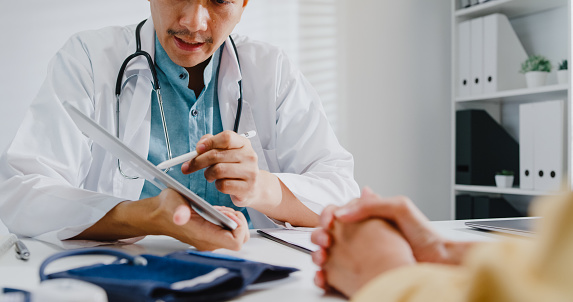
x=55, y=182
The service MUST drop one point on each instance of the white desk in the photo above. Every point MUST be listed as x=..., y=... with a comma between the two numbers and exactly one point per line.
x=299, y=287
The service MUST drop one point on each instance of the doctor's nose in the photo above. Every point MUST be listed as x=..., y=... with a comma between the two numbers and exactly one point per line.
x=195, y=18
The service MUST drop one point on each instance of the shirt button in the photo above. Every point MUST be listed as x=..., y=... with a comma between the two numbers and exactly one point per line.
x=183, y=76
x=194, y=112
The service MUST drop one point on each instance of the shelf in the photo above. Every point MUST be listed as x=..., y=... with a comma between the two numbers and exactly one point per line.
x=496, y=190
x=543, y=93
x=510, y=8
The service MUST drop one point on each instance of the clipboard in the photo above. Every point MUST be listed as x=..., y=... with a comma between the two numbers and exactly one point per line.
x=298, y=239
x=145, y=168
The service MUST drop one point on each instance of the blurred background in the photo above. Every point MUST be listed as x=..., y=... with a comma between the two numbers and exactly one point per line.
x=382, y=69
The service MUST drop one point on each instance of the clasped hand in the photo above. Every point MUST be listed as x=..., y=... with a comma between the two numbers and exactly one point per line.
x=372, y=235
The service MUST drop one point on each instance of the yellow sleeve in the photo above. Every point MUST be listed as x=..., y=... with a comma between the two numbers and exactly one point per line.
x=512, y=270
x=421, y=282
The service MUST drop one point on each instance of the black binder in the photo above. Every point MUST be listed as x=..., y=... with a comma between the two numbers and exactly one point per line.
x=489, y=207
x=483, y=148
x=464, y=207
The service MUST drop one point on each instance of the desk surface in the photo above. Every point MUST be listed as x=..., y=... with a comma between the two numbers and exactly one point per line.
x=24, y=275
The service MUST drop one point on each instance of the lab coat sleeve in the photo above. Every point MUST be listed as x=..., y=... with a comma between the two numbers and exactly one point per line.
x=313, y=164
x=42, y=173
x=516, y=270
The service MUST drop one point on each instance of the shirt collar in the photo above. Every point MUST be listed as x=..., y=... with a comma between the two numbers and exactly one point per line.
x=178, y=74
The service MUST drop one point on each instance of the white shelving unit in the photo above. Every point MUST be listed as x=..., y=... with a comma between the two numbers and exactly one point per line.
x=544, y=27
x=496, y=190
x=548, y=92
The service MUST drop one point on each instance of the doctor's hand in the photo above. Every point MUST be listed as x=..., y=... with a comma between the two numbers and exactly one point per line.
x=232, y=163
x=358, y=253
x=174, y=217
x=426, y=243
x=168, y=214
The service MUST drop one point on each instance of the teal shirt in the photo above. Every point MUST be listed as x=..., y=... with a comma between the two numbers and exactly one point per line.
x=188, y=118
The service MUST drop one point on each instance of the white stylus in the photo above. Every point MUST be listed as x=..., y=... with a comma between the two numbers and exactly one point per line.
x=191, y=155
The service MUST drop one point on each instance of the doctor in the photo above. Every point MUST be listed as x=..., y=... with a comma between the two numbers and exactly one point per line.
x=57, y=185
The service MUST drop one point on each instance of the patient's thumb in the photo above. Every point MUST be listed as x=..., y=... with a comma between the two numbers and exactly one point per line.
x=367, y=192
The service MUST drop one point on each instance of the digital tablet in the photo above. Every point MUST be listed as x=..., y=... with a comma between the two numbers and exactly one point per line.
x=145, y=168
x=516, y=226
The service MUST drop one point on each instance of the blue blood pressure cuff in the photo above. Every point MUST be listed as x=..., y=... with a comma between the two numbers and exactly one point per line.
x=15, y=295
x=180, y=276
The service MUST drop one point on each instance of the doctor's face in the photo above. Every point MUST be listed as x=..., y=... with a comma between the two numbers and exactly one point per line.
x=190, y=31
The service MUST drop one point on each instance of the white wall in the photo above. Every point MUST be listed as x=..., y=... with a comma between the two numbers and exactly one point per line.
x=32, y=31
x=394, y=59
x=397, y=98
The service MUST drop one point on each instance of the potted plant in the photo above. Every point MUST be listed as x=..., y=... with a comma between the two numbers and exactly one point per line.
x=504, y=179
x=563, y=73
x=536, y=68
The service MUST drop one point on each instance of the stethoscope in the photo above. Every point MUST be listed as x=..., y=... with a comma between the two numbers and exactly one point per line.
x=156, y=88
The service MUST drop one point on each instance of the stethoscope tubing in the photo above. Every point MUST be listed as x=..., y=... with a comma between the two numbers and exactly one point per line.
x=157, y=89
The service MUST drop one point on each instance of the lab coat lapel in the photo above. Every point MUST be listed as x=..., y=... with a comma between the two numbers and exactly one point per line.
x=229, y=76
x=135, y=111
x=136, y=99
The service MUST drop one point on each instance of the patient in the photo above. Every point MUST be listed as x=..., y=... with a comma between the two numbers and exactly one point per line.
x=384, y=249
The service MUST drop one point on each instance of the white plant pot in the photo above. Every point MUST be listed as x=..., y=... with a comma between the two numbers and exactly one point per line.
x=562, y=76
x=504, y=181
x=536, y=78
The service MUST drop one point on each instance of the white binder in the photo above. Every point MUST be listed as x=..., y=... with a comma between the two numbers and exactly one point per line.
x=548, y=147
x=464, y=59
x=526, y=143
x=503, y=55
x=541, y=145
x=477, y=59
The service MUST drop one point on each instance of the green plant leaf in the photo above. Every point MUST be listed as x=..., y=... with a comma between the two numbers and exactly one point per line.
x=536, y=63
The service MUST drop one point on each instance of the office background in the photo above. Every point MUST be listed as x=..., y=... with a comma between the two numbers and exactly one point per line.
x=382, y=68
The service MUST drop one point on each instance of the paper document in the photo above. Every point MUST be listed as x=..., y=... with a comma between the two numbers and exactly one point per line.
x=298, y=238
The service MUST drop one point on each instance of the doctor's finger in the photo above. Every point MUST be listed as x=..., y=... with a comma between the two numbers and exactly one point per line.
x=231, y=171
x=229, y=213
x=236, y=216
x=202, y=145
x=246, y=223
x=238, y=189
x=226, y=140
x=216, y=156
x=242, y=231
